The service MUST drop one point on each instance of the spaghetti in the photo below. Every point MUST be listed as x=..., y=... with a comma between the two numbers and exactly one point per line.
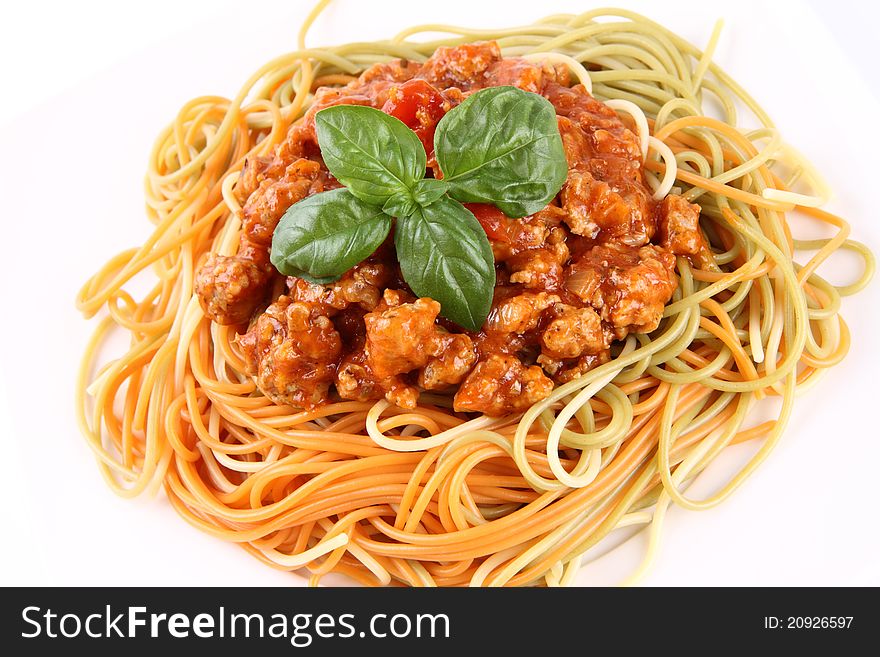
x=432, y=497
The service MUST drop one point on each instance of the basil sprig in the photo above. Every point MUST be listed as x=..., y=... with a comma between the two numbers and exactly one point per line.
x=334, y=222
x=373, y=154
x=500, y=146
x=457, y=263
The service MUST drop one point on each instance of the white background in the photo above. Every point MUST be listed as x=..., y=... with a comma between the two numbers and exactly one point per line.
x=87, y=85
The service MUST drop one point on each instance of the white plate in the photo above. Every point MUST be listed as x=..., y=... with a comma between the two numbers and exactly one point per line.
x=93, y=91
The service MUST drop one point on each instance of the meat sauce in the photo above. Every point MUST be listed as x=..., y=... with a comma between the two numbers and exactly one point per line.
x=593, y=266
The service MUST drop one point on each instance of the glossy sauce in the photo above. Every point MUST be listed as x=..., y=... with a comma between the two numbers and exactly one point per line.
x=571, y=278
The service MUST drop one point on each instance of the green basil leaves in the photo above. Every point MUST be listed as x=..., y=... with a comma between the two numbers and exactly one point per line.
x=331, y=233
x=374, y=155
x=500, y=146
x=444, y=254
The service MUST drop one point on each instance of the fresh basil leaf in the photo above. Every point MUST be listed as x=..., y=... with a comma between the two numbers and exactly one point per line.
x=502, y=146
x=429, y=190
x=326, y=234
x=445, y=254
x=373, y=154
x=401, y=204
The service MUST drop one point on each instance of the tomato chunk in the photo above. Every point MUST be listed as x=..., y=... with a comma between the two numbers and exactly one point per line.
x=420, y=105
x=493, y=221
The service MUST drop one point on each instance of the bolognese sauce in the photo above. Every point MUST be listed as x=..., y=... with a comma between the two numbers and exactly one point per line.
x=593, y=266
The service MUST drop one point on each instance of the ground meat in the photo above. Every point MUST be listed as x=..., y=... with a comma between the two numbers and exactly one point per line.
x=606, y=135
x=570, y=278
x=573, y=333
x=566, y=371
x=519, y=314
x=403, y=337
x=578, y=150
x=356, y=380
x=543, y=268
x=628, y=287
x=454, y=360
x=361, y=285
x=299, y=143
x=397, y=70
x=230, y=288
x=502, y=384
x=599, y=211
x=605, y=197
x=254, y=171
x=509, y=237
x=271, y=199
x=464, y=67
x=678, y=227
x=292, y=351
x=526, y=75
